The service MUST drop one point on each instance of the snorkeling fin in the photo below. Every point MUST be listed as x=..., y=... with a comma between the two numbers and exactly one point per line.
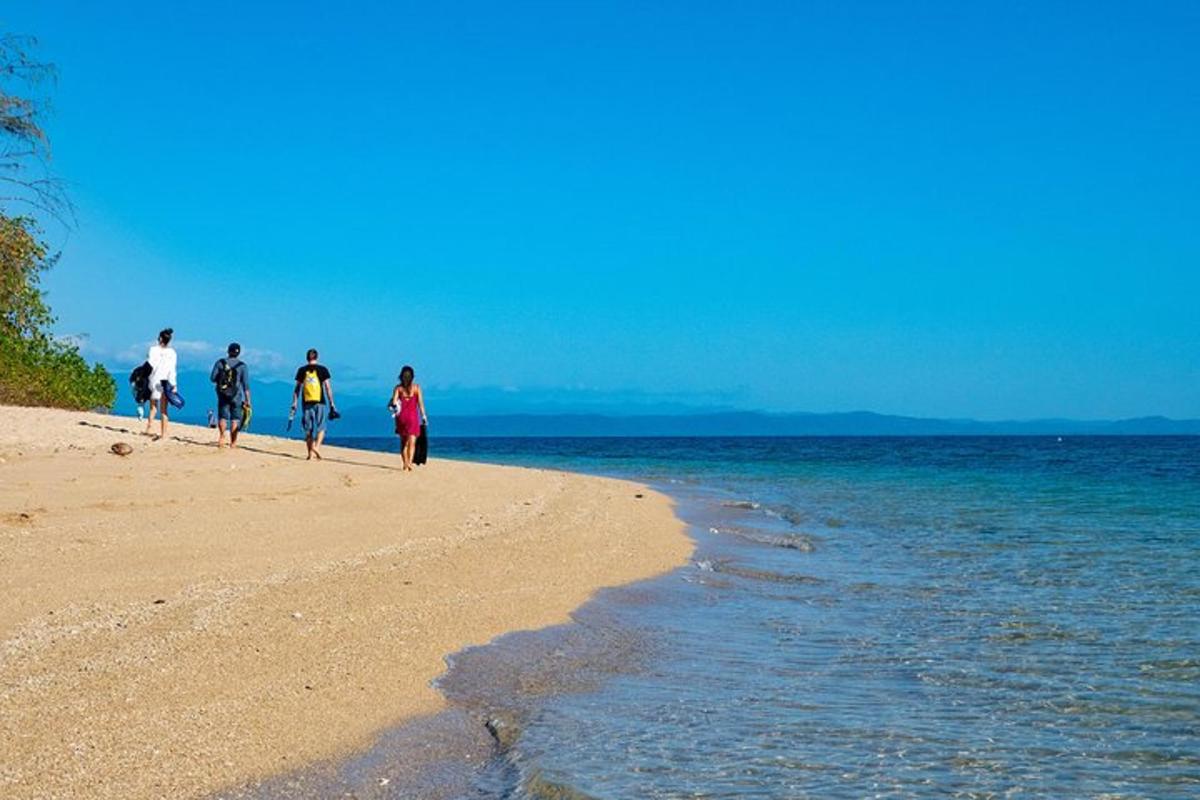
x=421, y=449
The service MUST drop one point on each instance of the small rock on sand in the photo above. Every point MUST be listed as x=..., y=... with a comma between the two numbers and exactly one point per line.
x=122, y=449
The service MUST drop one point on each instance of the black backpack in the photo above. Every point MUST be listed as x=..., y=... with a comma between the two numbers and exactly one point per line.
x=227, y=379
x=139, y=383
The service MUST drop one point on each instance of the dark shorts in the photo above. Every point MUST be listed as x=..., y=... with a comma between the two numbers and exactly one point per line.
x=229, y=410
x=313, y=419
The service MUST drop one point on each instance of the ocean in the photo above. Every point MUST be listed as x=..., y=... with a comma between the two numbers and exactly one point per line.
x=862, y=617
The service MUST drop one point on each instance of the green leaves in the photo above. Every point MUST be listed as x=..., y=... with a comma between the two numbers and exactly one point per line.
x=35, y=368
x=23, y=312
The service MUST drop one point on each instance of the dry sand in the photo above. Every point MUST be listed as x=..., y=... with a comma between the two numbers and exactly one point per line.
x=181, y=620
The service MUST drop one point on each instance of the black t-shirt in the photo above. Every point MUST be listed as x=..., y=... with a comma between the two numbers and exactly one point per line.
x=322, y=376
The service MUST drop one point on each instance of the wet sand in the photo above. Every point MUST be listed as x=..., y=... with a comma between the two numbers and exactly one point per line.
x=182, y=620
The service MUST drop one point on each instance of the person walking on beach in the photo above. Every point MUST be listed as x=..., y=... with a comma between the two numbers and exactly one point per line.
x=313, y=386
x=162, y=361
x=232, y=379
x=409, y=403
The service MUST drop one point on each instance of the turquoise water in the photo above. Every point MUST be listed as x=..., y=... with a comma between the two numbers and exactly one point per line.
x=977, y=618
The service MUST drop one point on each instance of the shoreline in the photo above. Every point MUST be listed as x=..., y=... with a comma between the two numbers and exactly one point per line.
x=182, y=621
x=493, y=689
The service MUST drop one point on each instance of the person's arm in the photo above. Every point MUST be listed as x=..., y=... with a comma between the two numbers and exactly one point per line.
x=245, y=383
x=173, y=361
x=296, y=392
x=394, y=403
x=214, y=374
x=421, y=405
x=329, y=393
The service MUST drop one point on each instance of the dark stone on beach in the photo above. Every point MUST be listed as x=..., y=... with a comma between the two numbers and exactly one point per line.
x=159, y=601
x=503, y=729
x=122, y=449
x=639, y=496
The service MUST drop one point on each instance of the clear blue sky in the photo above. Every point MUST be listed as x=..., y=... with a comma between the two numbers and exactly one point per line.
x=945, y=209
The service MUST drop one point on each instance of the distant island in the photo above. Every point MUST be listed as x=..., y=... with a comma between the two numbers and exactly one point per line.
x=366, y=415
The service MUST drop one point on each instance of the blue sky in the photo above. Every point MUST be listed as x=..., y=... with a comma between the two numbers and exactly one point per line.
x=942, y=209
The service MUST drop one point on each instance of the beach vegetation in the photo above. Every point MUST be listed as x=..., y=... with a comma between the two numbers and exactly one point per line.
x=36, y=367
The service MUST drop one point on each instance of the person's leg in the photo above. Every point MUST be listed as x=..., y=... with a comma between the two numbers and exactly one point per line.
x=306, y=422
x=150, y=416
x=220, y=432
x=317, y=444
x=164, y=415
x=410, y=442
x=234, y=425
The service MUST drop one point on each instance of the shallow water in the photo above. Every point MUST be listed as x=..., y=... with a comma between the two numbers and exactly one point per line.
x=994, y=617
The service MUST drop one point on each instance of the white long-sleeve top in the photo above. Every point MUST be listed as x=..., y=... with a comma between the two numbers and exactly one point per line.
x=162, y=365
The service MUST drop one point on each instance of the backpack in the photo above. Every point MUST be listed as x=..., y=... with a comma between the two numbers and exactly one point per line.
x=139, y=383
x=312, y=387
x=227, y=379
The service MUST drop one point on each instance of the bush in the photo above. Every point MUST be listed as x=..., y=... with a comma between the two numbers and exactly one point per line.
x=39, y=372
x=35, y=368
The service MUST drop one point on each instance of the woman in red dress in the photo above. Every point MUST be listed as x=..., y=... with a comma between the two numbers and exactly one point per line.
x=410, y=414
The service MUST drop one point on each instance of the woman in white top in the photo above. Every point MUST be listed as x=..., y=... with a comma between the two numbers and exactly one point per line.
x=162, y=372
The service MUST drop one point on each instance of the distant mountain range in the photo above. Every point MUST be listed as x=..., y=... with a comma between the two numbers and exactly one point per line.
x=363, y=417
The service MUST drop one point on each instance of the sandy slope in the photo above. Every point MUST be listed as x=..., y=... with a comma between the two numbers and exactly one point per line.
x=183, y=619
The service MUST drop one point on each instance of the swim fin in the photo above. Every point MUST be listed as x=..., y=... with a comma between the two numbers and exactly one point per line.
x=421, y=449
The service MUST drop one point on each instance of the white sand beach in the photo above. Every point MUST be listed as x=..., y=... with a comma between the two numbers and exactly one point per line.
x=184, y=619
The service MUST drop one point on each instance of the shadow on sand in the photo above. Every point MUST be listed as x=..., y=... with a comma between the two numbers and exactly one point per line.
x=197, y=443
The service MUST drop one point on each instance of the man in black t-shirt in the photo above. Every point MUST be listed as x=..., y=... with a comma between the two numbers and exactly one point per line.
x=314, y=389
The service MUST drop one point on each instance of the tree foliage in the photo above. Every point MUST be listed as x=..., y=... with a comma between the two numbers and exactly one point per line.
x=25, y=177
x=35, y=367
x=23, y=259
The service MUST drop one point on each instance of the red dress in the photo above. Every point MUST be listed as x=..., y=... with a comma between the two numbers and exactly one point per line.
x=408, y=420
